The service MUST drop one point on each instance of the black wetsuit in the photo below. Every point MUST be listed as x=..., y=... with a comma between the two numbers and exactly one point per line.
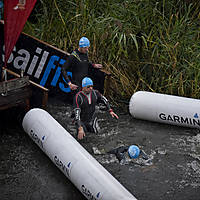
x=121, y=152
x=80, y=66
x=77, y=63
x=84, y=109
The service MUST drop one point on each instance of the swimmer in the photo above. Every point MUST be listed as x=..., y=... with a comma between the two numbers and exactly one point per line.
x=123, y=153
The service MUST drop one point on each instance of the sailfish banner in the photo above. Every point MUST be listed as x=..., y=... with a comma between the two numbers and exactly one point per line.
x=39, y=60
x=16, y=13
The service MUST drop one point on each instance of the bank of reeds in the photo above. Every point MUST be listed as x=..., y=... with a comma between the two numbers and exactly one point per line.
x=146, y=45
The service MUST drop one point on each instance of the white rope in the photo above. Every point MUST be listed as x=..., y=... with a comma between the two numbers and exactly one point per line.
x=5, y=85
x=5, y=74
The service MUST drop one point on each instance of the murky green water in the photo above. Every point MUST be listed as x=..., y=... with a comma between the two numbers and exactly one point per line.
x=172, y=171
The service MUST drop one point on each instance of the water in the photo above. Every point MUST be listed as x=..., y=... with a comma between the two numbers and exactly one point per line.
x=171, y=172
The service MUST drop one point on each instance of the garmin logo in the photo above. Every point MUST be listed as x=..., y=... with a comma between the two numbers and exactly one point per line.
x=180, y=120
x=88, y=194
x=62, y=166
x=37, y=140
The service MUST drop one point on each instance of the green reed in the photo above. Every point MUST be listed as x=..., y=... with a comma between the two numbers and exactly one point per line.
x=146, y=45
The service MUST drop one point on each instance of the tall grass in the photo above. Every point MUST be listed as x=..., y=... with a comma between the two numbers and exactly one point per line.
x=146, y=45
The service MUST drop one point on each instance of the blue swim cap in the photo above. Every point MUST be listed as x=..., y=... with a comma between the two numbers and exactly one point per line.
x=87, y=81
x=133, y=151
x=84, y=42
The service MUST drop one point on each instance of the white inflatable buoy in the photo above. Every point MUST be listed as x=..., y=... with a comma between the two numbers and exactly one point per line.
x=164, y=108
x=91, y=178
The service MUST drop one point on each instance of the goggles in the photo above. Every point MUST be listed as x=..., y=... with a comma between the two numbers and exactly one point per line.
x=89, y=86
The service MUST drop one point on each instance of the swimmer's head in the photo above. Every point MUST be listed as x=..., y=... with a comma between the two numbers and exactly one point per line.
x=133, y=151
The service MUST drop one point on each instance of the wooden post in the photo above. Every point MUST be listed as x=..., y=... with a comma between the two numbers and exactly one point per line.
x=27, y=102
x=44, y=99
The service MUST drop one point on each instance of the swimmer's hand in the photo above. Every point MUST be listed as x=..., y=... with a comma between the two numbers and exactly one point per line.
x=144, y=156
x=114, y=115
x=81, y=133
x=73, y=86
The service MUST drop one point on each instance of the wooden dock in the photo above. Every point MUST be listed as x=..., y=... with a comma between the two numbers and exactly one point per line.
x=15, y=92
x=18, y=92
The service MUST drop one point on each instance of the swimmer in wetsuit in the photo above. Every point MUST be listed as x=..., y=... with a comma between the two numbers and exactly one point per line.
x=84, y=108
x=78, y=63
x=124, y=152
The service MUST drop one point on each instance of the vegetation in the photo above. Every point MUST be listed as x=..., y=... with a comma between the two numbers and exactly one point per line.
x=146, y=44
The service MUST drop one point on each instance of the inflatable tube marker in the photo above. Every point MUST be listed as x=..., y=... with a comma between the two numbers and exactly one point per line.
x=91, y=178
x=164, y=108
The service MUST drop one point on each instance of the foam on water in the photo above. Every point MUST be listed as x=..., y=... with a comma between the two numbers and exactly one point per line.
x=188, y=146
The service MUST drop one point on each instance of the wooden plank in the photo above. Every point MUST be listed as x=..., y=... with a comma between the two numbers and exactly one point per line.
x=13, y=84
x=15, y=97
x=45, y=90
x=33, y=83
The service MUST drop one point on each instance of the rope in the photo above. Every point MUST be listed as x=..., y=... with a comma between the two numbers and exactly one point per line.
x=4, y=85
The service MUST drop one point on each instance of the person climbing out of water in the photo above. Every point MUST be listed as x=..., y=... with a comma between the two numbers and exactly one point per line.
x=123, y=153
x=78, y=63
x=84, y=104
